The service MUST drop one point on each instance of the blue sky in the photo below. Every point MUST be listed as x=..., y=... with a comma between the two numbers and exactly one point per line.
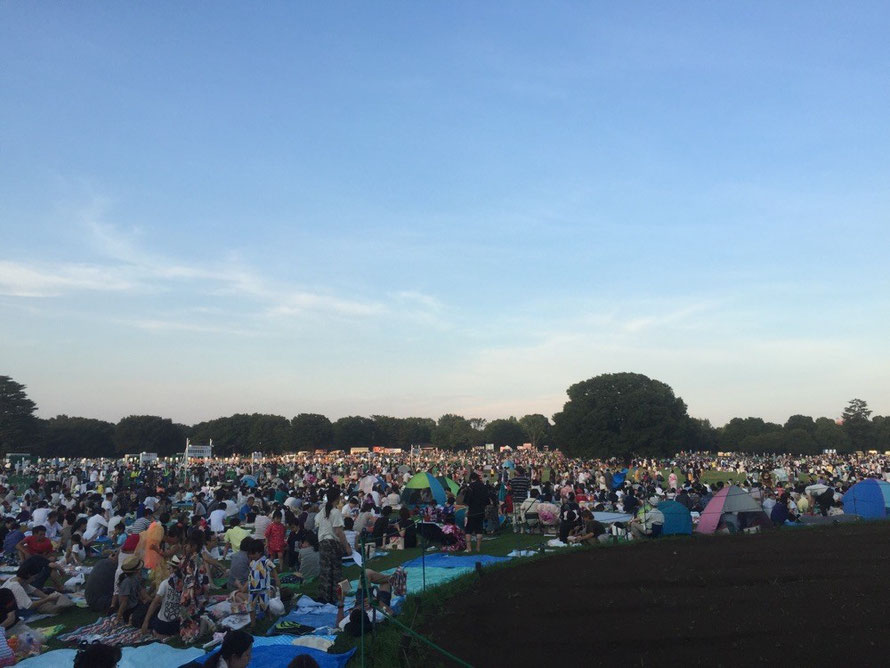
x=420, y=208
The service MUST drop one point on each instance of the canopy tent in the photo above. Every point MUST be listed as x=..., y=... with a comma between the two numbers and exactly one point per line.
x=448, y=484
x=869, y=499
x=421, y=489
x=729, y=500
x=677, y=518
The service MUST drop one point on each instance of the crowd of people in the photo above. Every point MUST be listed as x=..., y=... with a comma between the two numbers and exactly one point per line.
x=158, y=534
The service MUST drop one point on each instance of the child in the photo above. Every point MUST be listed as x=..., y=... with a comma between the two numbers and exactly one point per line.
x=75, y=554
x=275, y=538
x=262, y=574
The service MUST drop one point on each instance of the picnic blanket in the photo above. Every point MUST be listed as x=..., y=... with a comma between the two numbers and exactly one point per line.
x=440, y=560
x=280, y=655
x=309, y=612
x=147, y=656
x=108, y=631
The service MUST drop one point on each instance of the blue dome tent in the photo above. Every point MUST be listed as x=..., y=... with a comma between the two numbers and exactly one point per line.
x=869, y=499
x=677, y=519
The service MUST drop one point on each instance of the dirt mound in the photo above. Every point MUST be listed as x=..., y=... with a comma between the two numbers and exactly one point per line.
x=807, y=596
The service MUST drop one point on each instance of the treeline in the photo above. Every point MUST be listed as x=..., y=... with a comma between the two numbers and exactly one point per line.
x=65, y=436
x=612, y=415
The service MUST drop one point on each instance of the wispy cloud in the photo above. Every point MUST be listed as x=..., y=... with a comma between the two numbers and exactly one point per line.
x=125, y=265
x=21, y=279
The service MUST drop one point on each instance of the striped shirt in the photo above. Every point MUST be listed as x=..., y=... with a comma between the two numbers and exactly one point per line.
x=519, y=484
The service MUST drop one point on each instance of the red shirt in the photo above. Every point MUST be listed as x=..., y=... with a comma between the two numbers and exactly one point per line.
x=36, y=545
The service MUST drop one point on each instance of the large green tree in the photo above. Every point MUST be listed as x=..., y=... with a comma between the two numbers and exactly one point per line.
x=504, y=432
x=64, y=436
x=857, y=425
x=149, y=433
x=18, y=425
x=455, y=432
x=354, y=432
x=311, y=431
x=619, y=414
x=537, y=429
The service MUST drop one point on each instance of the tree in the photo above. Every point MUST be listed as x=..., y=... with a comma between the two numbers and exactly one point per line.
x=537, y=429
x=18, y=425
x=505, y=432
x=703, y=436
x=455, y=432
x=415, y=430
x=268, y=433
x=857, y=425
x=64, y=436
x=804, y=422
x=149, y=433
x=736, y=433
x=615, y=415
x=354, y=432
x=829, y=435
x=311, y=431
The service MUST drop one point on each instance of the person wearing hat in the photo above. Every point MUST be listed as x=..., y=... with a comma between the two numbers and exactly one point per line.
x=133, y=599
x=164, y=612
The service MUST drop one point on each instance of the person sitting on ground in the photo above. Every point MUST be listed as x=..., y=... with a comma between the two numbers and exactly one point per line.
x=364, y=522
x=235, y=534
x=97, y=655
x=381, y=591
x=29, y=597
x=163, y=613
x=454, y=536
x=590, y=532
x=383, y=529
x=37, y=543
x=15, y=536
x=310, y=563
x=239, y=567
x=133, y=599
x=99, y=587
x=407, y=528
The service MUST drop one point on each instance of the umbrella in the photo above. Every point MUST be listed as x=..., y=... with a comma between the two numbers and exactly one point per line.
x=508, y=463
x=249, y=480
x=816, y=489
x=448, y=484
x=413, y=492
x=404, y=468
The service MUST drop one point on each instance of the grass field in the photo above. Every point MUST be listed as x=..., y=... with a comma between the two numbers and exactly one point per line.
x=386, y=641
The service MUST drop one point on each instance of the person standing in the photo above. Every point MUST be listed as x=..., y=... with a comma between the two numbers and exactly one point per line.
x=519, y=486
x=332, y=545
x=476, y=498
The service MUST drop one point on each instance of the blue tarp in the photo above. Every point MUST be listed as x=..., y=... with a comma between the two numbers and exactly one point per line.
x=147, y=656
x=440, y=560
x=618, y=478
x=279, y=656
x=869, y=499
x=677, y=519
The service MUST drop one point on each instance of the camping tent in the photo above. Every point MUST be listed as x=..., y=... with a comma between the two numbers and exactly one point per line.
x=677, y=519
x=448, y=484
x=421, y=488
x=730, y=500
x=869, y=499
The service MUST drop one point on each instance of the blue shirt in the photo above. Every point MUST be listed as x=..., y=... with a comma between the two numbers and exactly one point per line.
x=12, y=539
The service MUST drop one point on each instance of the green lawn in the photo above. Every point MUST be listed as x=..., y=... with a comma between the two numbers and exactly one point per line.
x=497, y=546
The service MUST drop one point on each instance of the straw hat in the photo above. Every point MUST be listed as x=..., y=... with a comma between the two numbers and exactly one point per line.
x=132, y=564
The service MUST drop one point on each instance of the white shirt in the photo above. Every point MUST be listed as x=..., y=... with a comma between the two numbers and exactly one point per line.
x=22, y=600
x=39, y=516
x=217, y=519
x=259, y=526
x=326, y=525
x=94, y=526
x=150, y=502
